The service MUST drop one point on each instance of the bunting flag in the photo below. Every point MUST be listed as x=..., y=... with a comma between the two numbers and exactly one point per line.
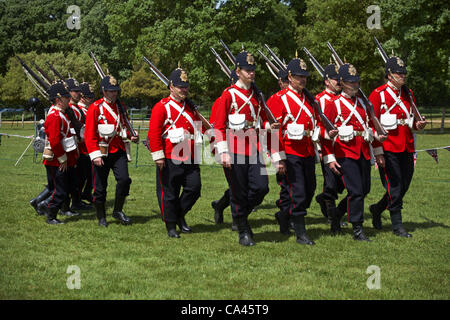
x=433, y=153
x=447, y=148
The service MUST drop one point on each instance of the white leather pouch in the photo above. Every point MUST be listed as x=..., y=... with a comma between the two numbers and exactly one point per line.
x=346, y=133
x=368, y=135
x=69, y=144
x=316, y=134
x=388, y=121
x=106, y=130
x=176, y=135
x=236, y=121
x=295, y=131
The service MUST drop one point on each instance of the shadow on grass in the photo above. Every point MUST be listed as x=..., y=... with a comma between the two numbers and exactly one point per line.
x=135, y=219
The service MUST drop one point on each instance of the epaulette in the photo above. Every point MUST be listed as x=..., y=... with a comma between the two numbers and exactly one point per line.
x=381, y=88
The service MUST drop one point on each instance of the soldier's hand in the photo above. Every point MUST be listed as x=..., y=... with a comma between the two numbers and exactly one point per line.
x=382, y=138
x=160, y=163
x=275, y=126
x=63, y=166
x=421, y=124
x=225, y=159
x=98, y=162
x=281, y=167
x=380, y=160
x=136, y=138
x=335, y=167
x=332, y=133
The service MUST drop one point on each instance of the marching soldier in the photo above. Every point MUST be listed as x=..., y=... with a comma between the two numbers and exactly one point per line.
x=298, y=122
x=84, y=163
x=104, y=135
x=173, y=137
x=238, y=115
x=332, y=184
x=60, y=153
x=349, y=155
x=395, y=160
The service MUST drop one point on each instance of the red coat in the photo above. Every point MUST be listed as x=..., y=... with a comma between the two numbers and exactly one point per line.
x=77, y=110
x=304, y=147
x=243, y=141
x=401, y=138
x=161, y=146
x=93, y=119
x=353, y=149
x=57, y=127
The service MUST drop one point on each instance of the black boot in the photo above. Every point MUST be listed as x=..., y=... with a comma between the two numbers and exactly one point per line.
x=234, y=226
x=51, y=216
x=376, y=210
x=283, y=221
x=397, y=225
x=358, y=233
x=341, y=209
x=118, y=213
x=172, y=230
x=40, y=197
x=66, y=210
x=77, y=204
x=245, y=234
x=219, y=206
x=42, y=206
x=101, y=214
x=321, y=201
x=335, y=225
x=300, y=231
x=181, y=222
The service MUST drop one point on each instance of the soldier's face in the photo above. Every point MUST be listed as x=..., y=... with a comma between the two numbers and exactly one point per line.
x=350, y=88
x=333, y=85
x=179, y=93
x=62, y=102
x=110, y=95
x=75, y=95
x=398, y=79
x=297, y=82
x=246, y=76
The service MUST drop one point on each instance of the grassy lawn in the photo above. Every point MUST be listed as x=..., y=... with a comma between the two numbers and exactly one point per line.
x=141, y=262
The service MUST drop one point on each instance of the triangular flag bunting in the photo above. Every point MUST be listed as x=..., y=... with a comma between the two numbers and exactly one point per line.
x=433, y=153
x=447, y=148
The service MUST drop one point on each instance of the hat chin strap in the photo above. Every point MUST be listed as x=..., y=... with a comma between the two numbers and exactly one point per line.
x=396, y=79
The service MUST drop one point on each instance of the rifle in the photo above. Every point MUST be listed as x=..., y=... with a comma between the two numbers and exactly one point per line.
x=272, y=68
x=40, y=85
x=417, y=115
x=119, y=104
x=188, y=101
x=56, y=73
x=43, y=75
x=311, y=99
x=262, y=100
x=379, y=129
x=221, y=64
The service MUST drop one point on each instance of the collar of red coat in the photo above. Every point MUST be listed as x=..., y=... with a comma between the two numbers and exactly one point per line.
x=389, y=84
x=347, y=97
x=244, y=91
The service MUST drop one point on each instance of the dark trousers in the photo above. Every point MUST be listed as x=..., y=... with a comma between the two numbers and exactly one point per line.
x=298, y=185
x=118, y=163
x=396, y=177
x=84, y=173
x=356, y=179
x=248, y=183
x=59, y=184
x=332, y=184
x=169, y=181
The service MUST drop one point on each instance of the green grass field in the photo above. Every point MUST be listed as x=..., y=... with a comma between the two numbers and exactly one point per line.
x=141, y=262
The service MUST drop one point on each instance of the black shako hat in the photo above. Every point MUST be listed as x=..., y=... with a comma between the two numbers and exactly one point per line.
x=245, y=60
x=297, y=67
x=179, y=78
x=348, y=73
x=72, y=85
x=331, y=72
x=283, y=75
x=109, y=83
x=395, y=65
x=86, y=90
x=57, y=90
